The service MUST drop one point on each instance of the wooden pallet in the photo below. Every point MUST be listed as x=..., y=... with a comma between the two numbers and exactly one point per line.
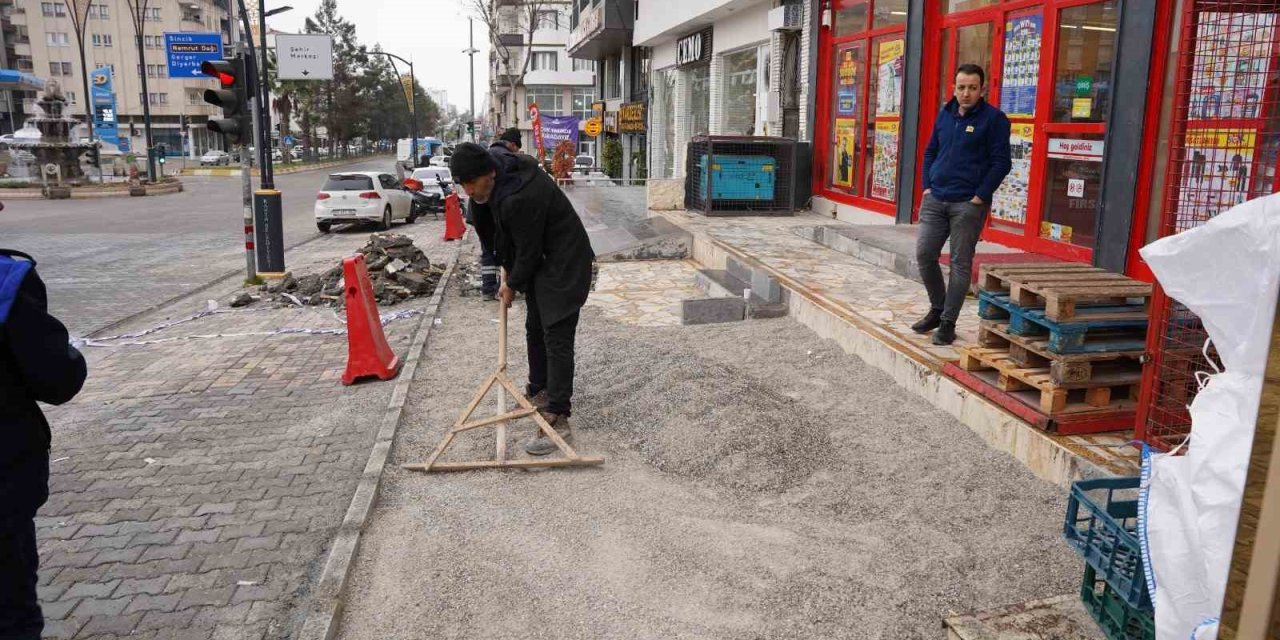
x=1121, y=416
x=1125, y=325
x=1062, y=290
x=1033, y=352
x=994, y=278
x=1055, y=398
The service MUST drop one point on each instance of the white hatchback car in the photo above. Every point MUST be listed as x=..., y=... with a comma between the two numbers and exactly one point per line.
x=368, y=196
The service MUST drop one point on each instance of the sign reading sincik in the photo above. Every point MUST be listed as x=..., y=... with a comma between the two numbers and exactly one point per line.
x=694, y=48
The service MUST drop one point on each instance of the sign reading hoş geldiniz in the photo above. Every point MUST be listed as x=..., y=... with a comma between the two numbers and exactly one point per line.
x=557, y=129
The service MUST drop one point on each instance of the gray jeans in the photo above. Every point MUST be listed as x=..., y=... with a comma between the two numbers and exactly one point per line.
x=962, y=222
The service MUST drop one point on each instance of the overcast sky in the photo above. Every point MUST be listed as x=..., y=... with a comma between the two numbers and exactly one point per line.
x=431, y=33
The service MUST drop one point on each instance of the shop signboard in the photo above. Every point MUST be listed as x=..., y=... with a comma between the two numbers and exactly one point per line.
x=844, y=154
x=1216, y=175
x=611, y=121
x=1009, y=204
x=588, y=24
x=846, y=82
x=694, y=48
x=1021, y=65
x=884, y=166
x=592, y=127
x=105, y=124
x=631, y=117
x=889, y=78
x=1232, y=62
x=557, y=129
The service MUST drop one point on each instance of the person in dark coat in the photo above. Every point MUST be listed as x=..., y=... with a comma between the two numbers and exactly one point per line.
x=542, y=245
x=37, y=364
x=510, y=141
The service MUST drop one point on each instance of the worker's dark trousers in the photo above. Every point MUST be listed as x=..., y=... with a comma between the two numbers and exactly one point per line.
x=488, y=269
x=550, y=356
x=28, y=480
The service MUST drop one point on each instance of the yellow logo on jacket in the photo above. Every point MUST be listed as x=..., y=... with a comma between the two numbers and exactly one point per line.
x=968, y=129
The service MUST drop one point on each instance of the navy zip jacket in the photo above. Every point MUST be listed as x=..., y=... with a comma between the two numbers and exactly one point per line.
x=968, y=155
x=37, y=363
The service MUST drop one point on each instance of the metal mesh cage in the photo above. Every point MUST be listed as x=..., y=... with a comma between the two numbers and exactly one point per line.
x=1223, y=150
x=741, y=175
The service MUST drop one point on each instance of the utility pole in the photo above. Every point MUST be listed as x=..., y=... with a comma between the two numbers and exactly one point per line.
x=265, y=169
x=246, y=181
x=472, y=51
x=139, y=9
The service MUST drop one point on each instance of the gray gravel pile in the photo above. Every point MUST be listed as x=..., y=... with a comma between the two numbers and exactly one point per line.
x=759, y=484
x=692, y=417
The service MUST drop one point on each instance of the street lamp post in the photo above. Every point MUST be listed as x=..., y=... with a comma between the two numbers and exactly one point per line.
x=79, y=17
x=412, y=99
x=268, y=171
x=138, y=9
x=471, y=51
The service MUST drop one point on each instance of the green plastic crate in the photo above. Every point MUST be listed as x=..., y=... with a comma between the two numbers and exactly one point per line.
x=1116, y=618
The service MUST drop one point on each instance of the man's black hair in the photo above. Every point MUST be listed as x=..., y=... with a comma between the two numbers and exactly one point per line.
x=973, y=70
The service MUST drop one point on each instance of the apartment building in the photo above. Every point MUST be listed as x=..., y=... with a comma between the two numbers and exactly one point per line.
x=536, y=33
x=39, y=39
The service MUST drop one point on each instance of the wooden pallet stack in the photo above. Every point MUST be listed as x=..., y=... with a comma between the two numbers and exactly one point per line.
x=1060, y=344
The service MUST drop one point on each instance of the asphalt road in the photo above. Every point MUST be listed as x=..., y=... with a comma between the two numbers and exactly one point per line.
x=104, y=260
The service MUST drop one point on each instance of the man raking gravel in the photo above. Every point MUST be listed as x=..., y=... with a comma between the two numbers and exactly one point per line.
x=546, y=255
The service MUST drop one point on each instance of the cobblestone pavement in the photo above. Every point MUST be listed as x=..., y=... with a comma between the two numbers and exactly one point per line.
x=107, y=259
x=196, y=482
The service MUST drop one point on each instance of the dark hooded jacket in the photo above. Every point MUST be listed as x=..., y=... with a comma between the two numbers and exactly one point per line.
x=37, y=363
x=538, y=237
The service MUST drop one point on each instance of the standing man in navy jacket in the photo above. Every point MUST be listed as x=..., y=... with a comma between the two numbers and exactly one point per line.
x=37, y=364
x=965, y=162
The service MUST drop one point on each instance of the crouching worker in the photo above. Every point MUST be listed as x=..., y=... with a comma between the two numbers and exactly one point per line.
x=544, y=249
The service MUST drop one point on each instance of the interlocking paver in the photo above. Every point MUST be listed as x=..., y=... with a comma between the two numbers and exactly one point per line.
x=179, y=509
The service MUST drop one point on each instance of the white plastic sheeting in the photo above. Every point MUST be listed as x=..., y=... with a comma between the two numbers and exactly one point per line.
x=1227, y=272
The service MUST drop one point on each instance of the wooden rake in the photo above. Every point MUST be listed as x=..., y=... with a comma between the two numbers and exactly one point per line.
x=499, y=423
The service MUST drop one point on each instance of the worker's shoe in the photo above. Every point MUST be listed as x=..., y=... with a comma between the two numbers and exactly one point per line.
x=539, y=400
x=541, y=445
x=929, y=322
x=488, y=296
x=946, y=333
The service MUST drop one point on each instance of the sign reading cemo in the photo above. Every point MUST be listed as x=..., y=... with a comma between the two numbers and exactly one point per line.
x=694, y=48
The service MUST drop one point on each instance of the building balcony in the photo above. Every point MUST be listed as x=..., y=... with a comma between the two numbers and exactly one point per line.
x=601, y=29
x=511, y=39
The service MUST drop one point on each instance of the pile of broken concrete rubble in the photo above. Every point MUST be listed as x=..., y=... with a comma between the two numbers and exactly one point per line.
x=397, y=269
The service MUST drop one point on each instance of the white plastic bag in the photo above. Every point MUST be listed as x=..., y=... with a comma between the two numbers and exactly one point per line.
x=1227, y=273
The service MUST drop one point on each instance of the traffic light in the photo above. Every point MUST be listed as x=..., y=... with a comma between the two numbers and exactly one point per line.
x=162, y=153
x=233, y=98
x=94, y=157
x=471, y=127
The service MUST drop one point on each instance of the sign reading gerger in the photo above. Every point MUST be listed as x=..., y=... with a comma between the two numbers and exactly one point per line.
x=305, y=56
x=694, y=48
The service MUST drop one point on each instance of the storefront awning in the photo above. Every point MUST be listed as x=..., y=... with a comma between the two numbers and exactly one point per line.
x=13, y=79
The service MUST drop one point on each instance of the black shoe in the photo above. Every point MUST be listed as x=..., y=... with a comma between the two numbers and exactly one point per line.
x=929, y=322
x=946, y=333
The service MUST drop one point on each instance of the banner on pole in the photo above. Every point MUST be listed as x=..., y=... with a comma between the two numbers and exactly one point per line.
x=536, y=117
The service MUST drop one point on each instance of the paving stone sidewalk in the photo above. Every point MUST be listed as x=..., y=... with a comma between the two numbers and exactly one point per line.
x=196, y=483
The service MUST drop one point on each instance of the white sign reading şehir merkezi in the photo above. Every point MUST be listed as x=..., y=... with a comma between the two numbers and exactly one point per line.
x=304, y=56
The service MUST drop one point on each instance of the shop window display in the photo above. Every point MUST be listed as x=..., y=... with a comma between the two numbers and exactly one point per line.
x=1082, y=80
x=848, y=70
x=1072, y=184
x=738, y=95
x=851, y=17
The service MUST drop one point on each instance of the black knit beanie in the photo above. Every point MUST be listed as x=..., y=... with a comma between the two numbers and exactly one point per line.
x=511, y=135
x=470, y=161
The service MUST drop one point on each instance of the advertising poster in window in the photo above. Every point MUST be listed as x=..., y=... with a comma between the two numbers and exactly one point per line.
x=1232, y=60
x=889, y=76
x=1009, y=203
x=1216, y=175
x=846, y=83
x=884, y=168
x=1021, y=66
x=844, y=153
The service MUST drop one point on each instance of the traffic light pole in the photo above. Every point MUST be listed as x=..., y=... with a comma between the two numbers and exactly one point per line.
x=246, y=186
x=266, y=170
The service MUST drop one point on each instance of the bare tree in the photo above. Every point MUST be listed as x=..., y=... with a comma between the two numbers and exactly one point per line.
x=520, y=16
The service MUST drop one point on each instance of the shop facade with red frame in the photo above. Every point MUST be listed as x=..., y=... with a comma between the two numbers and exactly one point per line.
x=1051, y=66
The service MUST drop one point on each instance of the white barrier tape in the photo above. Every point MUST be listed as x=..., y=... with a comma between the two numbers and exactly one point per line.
x=384, y=320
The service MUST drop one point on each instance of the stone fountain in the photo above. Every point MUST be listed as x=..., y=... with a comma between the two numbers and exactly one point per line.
x=54, y=146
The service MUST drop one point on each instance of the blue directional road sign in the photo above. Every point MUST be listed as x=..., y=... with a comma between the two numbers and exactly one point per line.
x=185, y=52
x=288, y=141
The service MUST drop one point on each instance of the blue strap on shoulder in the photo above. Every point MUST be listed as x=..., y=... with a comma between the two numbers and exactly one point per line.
x=12, y=273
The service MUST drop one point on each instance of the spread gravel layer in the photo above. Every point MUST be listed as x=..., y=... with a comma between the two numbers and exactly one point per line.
x=759, y=483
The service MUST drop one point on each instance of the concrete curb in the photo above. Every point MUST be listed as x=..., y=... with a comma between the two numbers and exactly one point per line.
x=325, y=609
x=92, y=193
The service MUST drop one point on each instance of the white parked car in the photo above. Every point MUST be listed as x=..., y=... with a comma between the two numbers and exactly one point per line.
x=214, y=157
x=367, y=196
x=430, y=175
x=438, y=161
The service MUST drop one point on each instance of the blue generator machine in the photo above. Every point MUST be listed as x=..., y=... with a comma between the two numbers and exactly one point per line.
x=733, y=177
